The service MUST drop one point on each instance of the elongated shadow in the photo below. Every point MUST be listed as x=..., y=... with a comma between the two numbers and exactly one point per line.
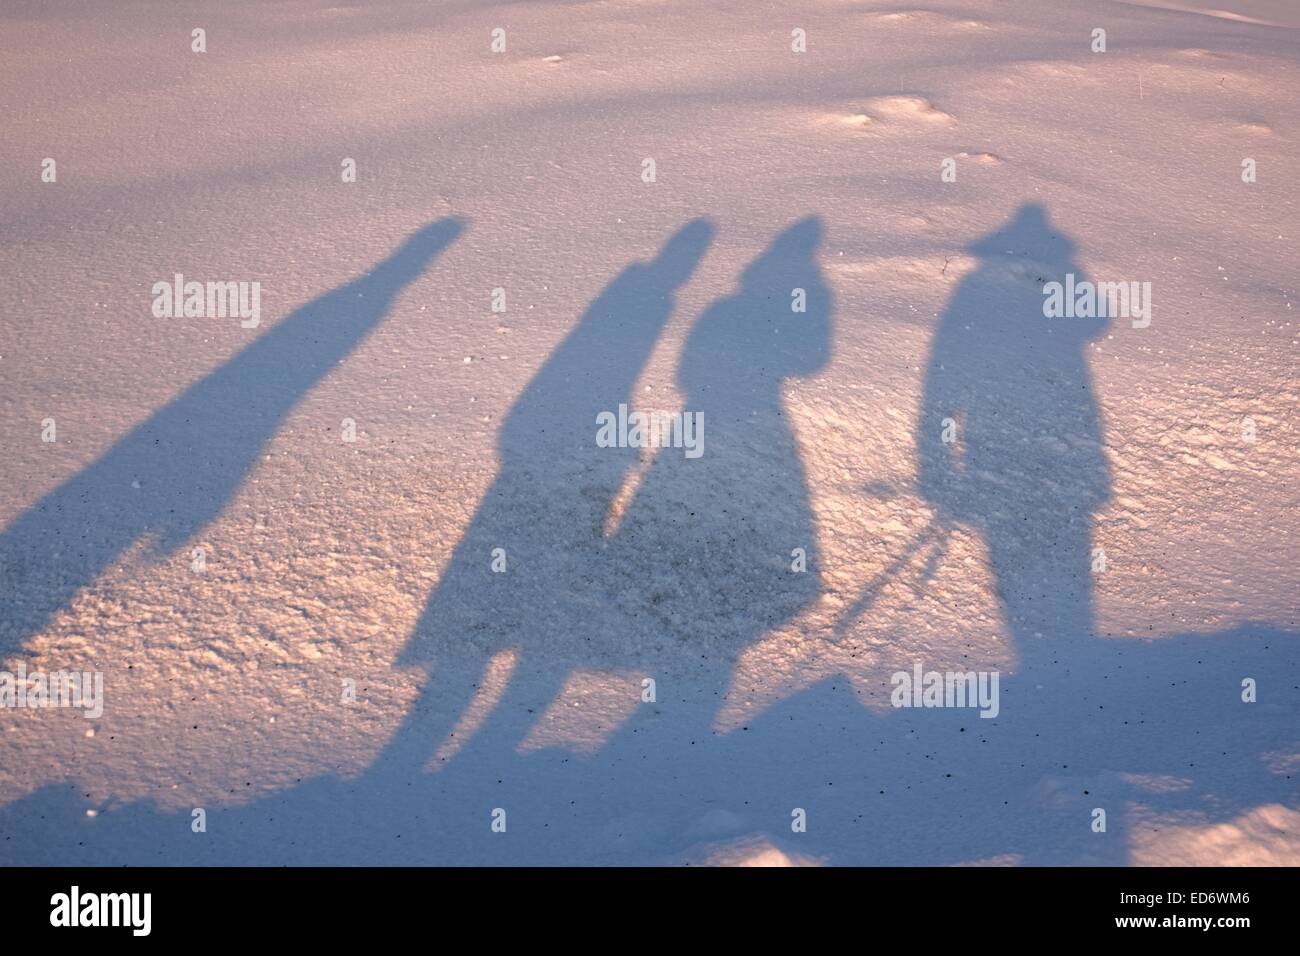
x=173, y=473
x=673, y=580
x=1137, y=728
x=718, y=551
x=527, y=574
x=1009, y=440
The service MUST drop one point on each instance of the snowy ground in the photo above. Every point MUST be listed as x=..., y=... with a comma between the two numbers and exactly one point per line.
x=370, y=561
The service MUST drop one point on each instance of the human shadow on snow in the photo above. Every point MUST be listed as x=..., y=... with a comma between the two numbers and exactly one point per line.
x=170, y=476
x=669, y=569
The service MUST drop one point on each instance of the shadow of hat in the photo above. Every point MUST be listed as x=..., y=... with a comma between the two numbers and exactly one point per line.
x=1029, y=233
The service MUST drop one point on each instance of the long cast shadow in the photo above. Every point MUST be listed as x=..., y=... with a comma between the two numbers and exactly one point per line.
x=1084, y=723
x=1010, y=444
x=526, y=577
x=700, y=567
x=1010, y=435
x=716, y=552
x=676, y=581
x=173, y=473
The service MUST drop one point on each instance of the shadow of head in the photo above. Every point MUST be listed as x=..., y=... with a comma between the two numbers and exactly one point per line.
x=1028, y=233
x=412, y=257
x=681, y=254
x=777, y=324
x=1006, y=300
x=790, y=254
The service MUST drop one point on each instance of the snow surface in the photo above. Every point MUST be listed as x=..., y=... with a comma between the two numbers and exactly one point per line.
x=370, y=561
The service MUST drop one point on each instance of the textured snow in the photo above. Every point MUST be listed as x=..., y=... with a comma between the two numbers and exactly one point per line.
x=370, y=561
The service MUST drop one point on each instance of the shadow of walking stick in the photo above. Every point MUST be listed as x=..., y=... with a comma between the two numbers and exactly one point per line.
x=930, y=543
